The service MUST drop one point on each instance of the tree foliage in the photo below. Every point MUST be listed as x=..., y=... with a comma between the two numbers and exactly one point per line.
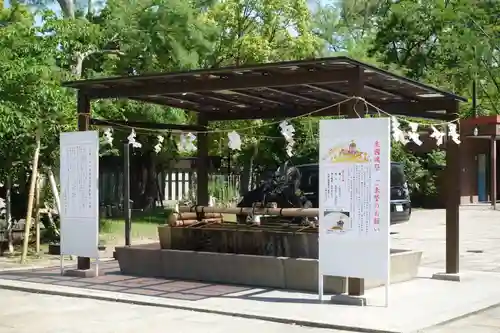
x=448, y=43
x=31, y=98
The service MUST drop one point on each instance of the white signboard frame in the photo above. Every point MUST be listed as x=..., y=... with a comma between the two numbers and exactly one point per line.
x=79, y=177
x=354, y=199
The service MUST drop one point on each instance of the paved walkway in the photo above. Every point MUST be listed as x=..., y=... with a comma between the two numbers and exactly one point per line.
x=485, y=322
x=49, y=314
x=27, y=313
x=416, y=304
x=480, y=251
x=479, y=238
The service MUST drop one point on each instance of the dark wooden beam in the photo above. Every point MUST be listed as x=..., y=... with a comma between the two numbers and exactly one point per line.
x=200, y=99
x=407, y=109
x=245, y=94
x=145, y=125
x=171, y=102
x=453, y=175
x=292, y=95
x=83, y=110
x=218, y=83
x=356, y=108
x=493, y=186
x=326, y=90
x=390, y=92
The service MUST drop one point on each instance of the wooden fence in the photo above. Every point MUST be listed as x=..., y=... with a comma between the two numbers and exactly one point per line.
x=181, y=185
x=174, y=185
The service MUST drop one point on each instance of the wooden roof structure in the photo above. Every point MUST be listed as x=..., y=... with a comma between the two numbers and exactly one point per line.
x=285, y=89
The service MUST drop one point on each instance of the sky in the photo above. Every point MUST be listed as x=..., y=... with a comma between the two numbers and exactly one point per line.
x=55, y=6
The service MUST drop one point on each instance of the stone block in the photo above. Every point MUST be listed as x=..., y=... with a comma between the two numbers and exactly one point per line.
x=165, y=236
x=404, y=267
x=447, y=277
x=243, y=269
x=348, y=300
x=81, y=273
x=140, y=261
x=253, y=270
x=259, y=271
x=302, y=274
x=178, y=264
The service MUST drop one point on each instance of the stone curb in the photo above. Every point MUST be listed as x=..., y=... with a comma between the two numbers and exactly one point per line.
x=121, y=298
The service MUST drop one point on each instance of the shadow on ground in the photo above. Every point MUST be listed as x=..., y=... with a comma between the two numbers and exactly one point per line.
x=111, y=279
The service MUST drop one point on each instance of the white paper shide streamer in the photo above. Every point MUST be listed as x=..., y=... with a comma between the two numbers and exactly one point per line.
x=234, y=141
x=159, y=144
x=186, y=143
x=413, y=134
x=2, y=206
x=437, y=135
x=452, y=132
x=397, y=134
x=132, y=141
x=108, y=136
x=288, y=131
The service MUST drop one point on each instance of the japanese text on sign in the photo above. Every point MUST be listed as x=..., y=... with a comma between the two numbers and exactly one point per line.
x=376, y=157
x=376, y=166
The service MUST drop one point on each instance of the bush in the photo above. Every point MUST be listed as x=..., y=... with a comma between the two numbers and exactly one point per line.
x=422, y=172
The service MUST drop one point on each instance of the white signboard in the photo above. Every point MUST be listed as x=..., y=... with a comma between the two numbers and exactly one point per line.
x=79, y=172
x=354, y=194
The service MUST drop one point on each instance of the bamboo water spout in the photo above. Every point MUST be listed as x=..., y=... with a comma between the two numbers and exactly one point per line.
x=289, y=212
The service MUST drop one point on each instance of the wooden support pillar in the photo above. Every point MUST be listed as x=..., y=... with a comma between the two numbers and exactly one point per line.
x=493, y=194
x=83, y=110
x=202, y=163
x=453, y=174
x=356, y=286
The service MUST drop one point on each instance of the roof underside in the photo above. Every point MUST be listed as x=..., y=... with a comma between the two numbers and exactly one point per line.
x=275, y=90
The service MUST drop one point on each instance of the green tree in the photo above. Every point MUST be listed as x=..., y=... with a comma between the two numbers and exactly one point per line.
x=257, y=31
x=448, y=43
x=31, y=100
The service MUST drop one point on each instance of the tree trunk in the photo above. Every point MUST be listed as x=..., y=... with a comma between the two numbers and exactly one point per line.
x=55, y=192
x=67, y=8
x=31, y=197
x=8, y=212
x=37, y=213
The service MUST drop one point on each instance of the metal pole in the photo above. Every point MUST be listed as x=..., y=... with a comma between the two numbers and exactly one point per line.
x=126, y=191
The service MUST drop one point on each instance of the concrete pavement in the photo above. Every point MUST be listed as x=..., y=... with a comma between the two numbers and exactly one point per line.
x=487, y=321
x=431, y=301
x=27, y=312
x=479, y=238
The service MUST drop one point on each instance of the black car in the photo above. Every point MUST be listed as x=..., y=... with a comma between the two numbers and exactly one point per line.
x=400, y=196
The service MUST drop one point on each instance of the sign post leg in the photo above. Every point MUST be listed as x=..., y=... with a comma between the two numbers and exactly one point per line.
x=387, y=294
x=320, y=286
x=97, y=266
